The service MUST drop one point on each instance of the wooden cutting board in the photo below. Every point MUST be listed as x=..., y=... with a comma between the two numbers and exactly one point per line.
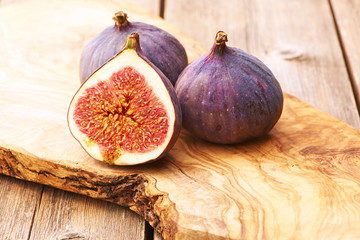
x=301, y=181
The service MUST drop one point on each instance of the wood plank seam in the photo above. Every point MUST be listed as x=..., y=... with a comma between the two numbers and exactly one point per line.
x=149, y=231
x=162, y=8
x=35, y=212
x=346, y=59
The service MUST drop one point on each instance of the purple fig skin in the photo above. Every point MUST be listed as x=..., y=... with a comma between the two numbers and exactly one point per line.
x=228, y=96
x=160, y=47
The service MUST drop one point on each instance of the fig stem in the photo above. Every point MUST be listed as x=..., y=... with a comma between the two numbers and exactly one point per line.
x=219, y=46
x=120, y=19
x=220, y=38
x=132, y=41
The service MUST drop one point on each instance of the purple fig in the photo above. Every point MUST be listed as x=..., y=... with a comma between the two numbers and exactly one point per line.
x=160, y=47
x=228, y=96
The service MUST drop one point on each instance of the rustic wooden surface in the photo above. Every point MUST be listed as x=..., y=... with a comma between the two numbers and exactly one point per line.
x=304, y=43
x=346, y=14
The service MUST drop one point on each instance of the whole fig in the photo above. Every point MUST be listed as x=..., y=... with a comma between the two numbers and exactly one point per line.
x=160, y=47
x=127, y=112
x=228, y=96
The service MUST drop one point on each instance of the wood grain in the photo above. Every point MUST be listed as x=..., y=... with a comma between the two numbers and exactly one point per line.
x=152, y=6
x=65, y=215
x=4, y=2
x=347, y=16
x=296, y=39
x=300, y=181
x=18, y=203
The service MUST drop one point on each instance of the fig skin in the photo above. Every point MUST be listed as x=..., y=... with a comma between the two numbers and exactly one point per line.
x=133, y=44
x=160, y=47
x=228, y=96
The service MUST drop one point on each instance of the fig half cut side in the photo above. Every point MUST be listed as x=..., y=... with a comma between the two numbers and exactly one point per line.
x=127, y=112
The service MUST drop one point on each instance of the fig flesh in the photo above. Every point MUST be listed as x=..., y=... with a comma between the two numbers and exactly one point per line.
x=160, y=47
x=228, y=96
x=127, y=112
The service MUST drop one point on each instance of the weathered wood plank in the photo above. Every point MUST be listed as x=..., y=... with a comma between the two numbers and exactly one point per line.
x=347, y=17
x=5, y=2
x=18, y=202
x=65, y=215
x=296, y=39
x=152, y=6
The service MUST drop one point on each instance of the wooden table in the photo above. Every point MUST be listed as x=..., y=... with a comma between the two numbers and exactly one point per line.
x=311, y=46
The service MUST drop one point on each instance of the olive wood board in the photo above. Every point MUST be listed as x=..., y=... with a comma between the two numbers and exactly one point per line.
x=301, y=181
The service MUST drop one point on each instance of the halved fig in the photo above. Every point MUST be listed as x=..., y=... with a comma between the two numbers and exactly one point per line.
x=127, y=112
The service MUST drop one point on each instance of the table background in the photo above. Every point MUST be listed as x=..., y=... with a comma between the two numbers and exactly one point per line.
x=310, y=45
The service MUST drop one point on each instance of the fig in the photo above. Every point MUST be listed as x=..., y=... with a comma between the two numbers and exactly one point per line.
x=126, y=112
x=160, y=47
x=228, y=96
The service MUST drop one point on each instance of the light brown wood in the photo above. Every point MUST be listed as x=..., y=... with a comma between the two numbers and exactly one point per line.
x=157, y=236
x=347, y=17
x=65, y=215
x=4, y=2
x=296, y=39
x=18, y=202
x=152, y=6
x=301, y=181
